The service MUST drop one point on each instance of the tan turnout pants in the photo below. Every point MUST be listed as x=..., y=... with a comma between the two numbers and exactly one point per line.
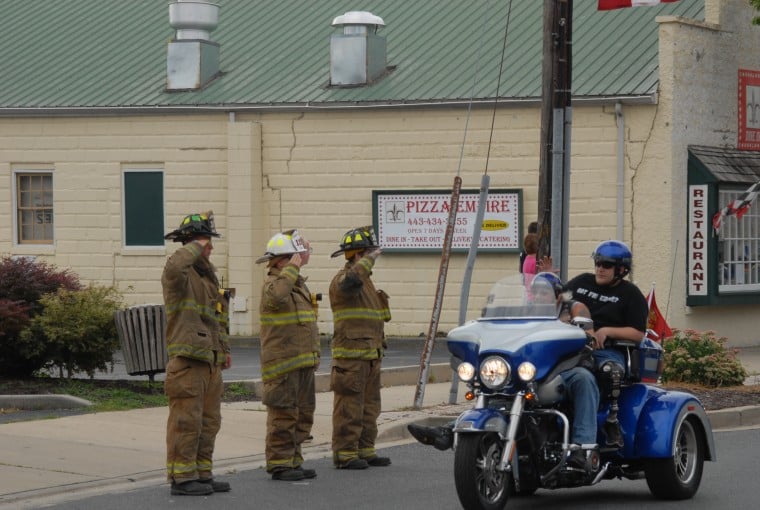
x=356, y=406
x=290, y=402
x=195, y=391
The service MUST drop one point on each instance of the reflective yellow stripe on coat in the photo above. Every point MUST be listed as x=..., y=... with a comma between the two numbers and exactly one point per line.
x=362, y=314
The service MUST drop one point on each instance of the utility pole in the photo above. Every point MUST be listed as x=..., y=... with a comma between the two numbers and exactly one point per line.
x=556, y=119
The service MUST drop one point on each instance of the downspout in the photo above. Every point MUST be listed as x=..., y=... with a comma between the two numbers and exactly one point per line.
x=620, y=121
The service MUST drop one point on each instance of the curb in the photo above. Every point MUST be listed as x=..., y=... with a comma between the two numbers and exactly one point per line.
x=42, y=402
x=747, y=416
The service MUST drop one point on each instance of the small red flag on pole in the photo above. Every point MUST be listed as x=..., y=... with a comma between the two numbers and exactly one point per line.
x=656, y=322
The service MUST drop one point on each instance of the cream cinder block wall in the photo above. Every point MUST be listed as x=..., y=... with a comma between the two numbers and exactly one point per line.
x=699, y=63
x=320, y=169
x=316, y=170
x=87, y=156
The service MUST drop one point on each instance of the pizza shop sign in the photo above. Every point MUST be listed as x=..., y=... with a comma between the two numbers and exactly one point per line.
x=417, y=221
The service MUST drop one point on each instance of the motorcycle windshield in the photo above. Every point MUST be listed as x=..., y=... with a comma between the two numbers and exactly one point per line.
x=521, y=297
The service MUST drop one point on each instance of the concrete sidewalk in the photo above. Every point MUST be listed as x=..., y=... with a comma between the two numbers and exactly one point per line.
x=73, y=457
x=78, y=456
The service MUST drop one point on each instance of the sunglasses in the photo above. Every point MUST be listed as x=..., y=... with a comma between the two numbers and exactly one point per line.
x=604, y=264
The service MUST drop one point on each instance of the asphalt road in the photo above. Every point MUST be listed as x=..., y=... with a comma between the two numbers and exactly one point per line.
x=421, y=478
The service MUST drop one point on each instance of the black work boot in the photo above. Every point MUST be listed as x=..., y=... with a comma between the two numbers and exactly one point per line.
x=307, y=473
x=585, y=458
x=442, y=438
x=288, y=475
x=191, y=488
x=376, y=461
x=355, y=463
x=217, y=485
x=577, y=459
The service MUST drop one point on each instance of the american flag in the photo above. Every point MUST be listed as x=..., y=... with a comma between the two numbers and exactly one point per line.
x=608, y=5
x=736, y=207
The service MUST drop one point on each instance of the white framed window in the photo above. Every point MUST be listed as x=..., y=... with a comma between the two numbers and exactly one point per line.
x=143, y=207
x=34, y=214
x=738, y=246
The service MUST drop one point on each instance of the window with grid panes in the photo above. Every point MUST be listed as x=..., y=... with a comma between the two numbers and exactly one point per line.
x=34, y=202
x=738, y=247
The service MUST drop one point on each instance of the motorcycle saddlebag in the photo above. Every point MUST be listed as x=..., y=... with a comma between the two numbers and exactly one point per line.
x=647, y=361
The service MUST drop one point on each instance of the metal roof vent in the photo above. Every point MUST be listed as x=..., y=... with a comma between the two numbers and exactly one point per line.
x=357, y=56
x=192, y=59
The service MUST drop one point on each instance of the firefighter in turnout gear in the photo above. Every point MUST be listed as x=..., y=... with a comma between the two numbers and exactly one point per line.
x=196, y=342
x=289, y=355
x=359, y=314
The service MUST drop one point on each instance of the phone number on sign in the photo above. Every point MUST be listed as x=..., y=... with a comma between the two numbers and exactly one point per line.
x=434, y=221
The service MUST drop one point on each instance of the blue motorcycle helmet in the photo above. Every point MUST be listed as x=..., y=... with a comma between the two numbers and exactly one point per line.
x=547, y=279
x=546, y=282
x=615, y=253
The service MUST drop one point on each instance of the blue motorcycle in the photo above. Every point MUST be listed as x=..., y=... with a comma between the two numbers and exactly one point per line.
x=516, y=438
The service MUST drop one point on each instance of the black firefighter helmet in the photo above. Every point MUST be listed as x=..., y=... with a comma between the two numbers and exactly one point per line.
x=361, y=238
x=198, y=224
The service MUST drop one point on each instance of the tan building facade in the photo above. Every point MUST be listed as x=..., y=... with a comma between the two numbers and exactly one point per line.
x=316, y=169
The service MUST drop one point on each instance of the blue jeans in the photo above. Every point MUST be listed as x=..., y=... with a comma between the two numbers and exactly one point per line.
x=603, y=355
x=583, y=392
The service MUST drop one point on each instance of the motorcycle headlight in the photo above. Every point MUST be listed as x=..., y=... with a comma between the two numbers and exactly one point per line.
x=466, y=372
x=494, y=372
x=526, y=371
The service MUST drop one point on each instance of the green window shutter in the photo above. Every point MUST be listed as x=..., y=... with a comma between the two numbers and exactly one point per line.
x=144, y=208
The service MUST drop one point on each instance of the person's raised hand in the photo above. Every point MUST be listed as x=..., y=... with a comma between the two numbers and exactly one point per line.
x=544, y=264
x=296, y=260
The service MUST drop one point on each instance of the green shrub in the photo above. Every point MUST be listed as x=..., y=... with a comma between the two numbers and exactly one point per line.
x=78, y=330
x=701, y=358
x=23, y=282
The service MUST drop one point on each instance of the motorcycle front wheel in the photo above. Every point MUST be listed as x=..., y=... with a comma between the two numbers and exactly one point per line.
x=480, y=486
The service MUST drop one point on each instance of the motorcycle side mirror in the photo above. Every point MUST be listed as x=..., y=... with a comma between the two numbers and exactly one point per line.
x=584, y=323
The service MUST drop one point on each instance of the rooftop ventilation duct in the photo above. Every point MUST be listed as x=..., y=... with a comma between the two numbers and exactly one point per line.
x=192, y=59
x=357, y=56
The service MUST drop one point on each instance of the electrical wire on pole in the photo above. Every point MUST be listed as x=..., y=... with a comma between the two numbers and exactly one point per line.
x=446, y=249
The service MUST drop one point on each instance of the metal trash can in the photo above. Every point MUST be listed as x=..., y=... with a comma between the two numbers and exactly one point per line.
x=142, y=334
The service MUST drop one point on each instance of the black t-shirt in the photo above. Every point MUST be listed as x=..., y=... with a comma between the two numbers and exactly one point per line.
x=618, y=306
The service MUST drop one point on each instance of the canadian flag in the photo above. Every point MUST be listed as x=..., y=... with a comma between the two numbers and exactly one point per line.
x=608, y=5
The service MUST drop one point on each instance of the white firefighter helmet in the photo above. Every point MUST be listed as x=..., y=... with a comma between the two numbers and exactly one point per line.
x=283, y=243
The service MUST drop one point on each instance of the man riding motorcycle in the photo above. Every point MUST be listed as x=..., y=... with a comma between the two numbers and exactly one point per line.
x=619, y=312
x=546, y=288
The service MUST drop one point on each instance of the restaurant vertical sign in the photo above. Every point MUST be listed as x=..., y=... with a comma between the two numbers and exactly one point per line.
x=417, y=220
